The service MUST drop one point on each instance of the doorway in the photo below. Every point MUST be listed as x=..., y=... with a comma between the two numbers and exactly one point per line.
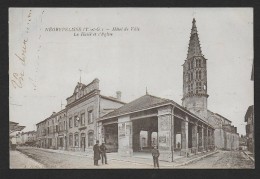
x=83, y=142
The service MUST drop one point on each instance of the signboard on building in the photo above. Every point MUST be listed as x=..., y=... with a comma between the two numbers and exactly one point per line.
x=121, y=130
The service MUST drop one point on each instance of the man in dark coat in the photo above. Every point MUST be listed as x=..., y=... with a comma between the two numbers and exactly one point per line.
x=103, y=149
x=96, y=153
x=155, y=154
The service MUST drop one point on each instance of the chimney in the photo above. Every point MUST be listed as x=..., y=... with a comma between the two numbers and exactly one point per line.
x=118, y=95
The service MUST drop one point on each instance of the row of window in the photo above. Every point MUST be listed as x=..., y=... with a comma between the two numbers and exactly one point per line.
x=197, y=63
x=52, y=129
x=75, y=142
x=81, y=119
x=198, y=87
x=198, y=75
x=51, y=121
x=77, y=120
x=62, y=126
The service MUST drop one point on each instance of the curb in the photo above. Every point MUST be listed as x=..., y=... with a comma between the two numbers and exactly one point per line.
x=196, y=159
x=251, y=158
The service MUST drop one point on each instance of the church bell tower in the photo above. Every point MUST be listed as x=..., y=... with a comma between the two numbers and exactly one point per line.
x=195, y=77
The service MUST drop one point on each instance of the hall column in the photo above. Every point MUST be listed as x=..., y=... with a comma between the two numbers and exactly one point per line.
x=199, y=138
x=164, y=133
x=207, y=139
x=184, y=136
x=202, y=138
x=100, y=133
x=125, y=147
x=174, y=142
x=194, y=138
x=136, y=138
x=213, y=138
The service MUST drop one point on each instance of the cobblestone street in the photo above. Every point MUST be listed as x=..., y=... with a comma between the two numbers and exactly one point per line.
x=54, y=159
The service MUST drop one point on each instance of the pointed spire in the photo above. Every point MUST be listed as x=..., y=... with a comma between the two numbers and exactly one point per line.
x=146, y=91
x=194, y=44
x=194, y=28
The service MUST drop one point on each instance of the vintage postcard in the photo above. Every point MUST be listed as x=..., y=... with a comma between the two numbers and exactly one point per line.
x=137, y=88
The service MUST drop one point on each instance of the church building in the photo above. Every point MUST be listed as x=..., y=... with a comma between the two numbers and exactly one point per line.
x=195, y=94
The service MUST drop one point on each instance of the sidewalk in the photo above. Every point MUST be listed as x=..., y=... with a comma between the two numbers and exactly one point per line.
x=21, y=161
x=138, y=158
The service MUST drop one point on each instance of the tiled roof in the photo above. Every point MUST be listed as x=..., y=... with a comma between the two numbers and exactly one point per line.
x=219, y=115
x=112, y=98
x=144, y=102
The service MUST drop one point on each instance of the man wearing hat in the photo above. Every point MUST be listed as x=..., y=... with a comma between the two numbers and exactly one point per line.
x=103, y=149
x=97, y=152
x=155, y=154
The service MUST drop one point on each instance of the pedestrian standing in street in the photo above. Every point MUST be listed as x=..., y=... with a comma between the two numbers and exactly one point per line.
x=96, y=150
x=103, y=149
x=155, y=154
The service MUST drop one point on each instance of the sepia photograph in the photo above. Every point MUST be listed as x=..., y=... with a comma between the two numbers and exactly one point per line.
x=131, y=88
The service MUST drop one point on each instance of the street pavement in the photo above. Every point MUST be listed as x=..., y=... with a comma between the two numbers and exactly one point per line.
x=21, y=161
x=54, y=159
x=223, y=160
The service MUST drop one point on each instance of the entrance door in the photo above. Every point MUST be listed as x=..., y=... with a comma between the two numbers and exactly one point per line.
x=83, y=142
x=61, y=142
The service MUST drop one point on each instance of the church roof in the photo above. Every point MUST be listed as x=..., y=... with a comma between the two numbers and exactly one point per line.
x=144, y=102
x=194, y=44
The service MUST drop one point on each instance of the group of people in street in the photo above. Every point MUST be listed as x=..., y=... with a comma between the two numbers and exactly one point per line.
x=100, y=153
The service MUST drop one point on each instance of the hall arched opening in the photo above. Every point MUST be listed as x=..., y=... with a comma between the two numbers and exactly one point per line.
x=145, y=134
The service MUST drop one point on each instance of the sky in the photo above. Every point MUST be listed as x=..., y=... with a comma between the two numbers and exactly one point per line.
x=44, y=65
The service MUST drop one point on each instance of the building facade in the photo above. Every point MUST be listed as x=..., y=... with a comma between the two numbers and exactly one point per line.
x=62, y=130
x=75, y=128
x=226, y=136
x=28, y=138
x=249, y=119
x=41, y=134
